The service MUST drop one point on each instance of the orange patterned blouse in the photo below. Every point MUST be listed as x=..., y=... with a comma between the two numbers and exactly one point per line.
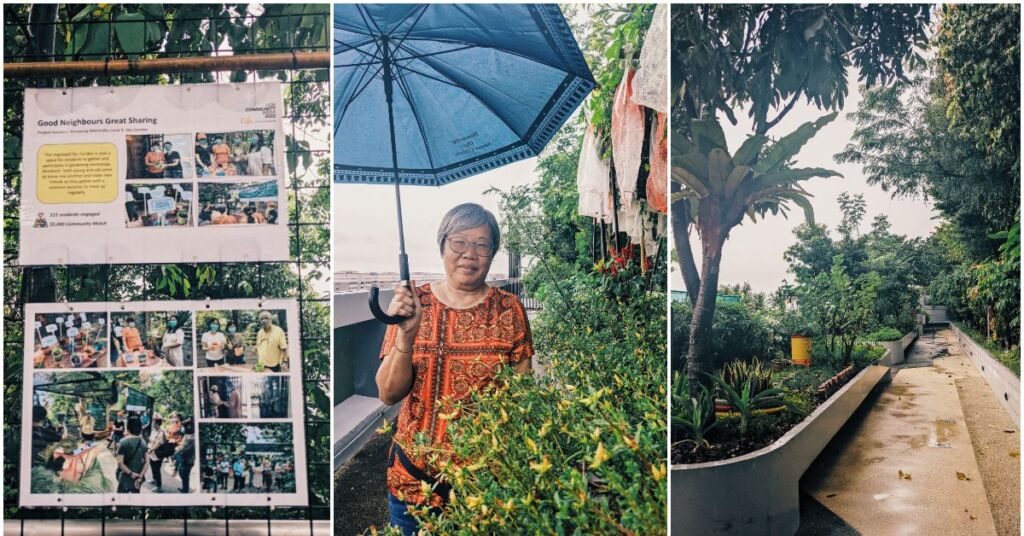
x=456, y=352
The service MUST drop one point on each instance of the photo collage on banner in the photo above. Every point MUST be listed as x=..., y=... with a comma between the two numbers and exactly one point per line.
x=199, y=401
x=117, y=176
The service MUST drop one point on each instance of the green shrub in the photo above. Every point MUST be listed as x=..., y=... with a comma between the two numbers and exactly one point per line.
x=581, y=450
x=884, y=335
x=737, y=333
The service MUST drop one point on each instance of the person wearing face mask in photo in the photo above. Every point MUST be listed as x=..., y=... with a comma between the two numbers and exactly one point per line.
x=235, y=345
x=173, y=343
x=213, y=343
x=203, y=160
x=271, y=344
x=172, y=161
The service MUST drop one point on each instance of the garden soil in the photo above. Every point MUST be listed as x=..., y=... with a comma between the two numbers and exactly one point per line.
x=905, y=463
x=360, y=492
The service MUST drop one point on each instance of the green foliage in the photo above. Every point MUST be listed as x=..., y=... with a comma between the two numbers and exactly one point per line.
x=884, y=334
x=737, y=373
x=761, y=57
x=580, y=449
x=744, y=399
x=693, y=413
x=841, y=306
x=738, y=332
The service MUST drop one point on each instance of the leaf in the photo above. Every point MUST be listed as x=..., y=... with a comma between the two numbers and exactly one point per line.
x=1015, y=454
x=684, y=177
x=786, y=148
x=719, y=168
x=961, y=476
x=708, y=135
x=748, y=152
x=128, y=27
x=904, y=476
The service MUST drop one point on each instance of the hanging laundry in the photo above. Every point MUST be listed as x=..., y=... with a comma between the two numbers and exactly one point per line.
x=657, y=181
x=627, y=139
x=649, y=87
x=593, y=180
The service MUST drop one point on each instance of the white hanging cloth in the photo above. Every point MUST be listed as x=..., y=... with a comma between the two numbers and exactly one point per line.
x=627, y=139
x=649, y=87
x=593, y=180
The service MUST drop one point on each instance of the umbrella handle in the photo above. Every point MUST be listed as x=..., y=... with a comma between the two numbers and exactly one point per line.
x=378, y=313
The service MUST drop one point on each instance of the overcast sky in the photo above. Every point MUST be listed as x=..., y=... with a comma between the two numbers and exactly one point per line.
x=753, y=252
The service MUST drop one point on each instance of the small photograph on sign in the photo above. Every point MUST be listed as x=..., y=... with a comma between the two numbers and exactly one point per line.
x=113, y=432
x=244, y=153
x=158, y=205
x=244, y=397
x=241, y=203
x=151, y=339
x=160, y=156
x=247, y=458
x=243, y=340
x=70, y=340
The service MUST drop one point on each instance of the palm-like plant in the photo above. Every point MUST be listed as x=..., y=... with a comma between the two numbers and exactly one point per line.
x=745, y=399
x=693, y=413
x=716, y=190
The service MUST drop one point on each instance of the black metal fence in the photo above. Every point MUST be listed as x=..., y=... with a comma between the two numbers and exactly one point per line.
x=306, y=277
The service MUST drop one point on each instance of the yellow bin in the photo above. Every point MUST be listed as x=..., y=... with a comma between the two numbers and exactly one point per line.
x=801, y=345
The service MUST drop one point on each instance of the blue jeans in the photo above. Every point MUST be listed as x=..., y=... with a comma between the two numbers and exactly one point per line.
x=400, y=516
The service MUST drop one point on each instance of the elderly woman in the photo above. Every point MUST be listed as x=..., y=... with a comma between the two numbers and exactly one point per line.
x=458, y=334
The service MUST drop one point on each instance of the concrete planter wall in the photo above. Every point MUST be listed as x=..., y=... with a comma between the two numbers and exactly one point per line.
x=1003, y=382
x=895, y=351
x=758, y=493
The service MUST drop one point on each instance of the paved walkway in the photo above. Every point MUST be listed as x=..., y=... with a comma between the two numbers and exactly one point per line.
x=905, y=463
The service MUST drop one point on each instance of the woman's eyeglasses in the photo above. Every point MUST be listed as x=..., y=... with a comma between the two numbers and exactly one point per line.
x=461, y=245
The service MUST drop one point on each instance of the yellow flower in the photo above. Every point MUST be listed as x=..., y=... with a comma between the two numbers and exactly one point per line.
x=504, y=415
x=532, y=445
x=596, y=433
x=658, y=471
x=600, y=456
x=544, y=428
x=473, y=501
x=631, y=443
x=542, y=467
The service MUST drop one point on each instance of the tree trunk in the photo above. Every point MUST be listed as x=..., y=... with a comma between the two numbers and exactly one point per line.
x=699, y=360
x=681, y=239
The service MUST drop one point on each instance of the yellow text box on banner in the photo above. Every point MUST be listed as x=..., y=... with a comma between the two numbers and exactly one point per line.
x=76, y=173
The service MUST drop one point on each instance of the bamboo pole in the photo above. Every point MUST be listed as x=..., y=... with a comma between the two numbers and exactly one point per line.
x=244, y=62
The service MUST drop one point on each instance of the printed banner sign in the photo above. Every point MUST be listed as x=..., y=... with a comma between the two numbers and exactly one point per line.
x=154, y=174
x=213, y=389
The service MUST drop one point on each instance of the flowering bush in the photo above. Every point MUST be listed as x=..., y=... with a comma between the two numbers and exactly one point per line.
x=580, y=449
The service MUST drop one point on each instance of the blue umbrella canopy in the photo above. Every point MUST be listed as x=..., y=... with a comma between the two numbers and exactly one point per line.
x=475, y=87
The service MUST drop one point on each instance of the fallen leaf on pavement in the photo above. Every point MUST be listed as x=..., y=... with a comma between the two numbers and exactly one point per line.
x=961, y=476
x=904, y=476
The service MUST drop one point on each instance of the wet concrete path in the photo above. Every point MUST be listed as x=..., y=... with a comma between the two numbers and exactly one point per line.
x=904, y=464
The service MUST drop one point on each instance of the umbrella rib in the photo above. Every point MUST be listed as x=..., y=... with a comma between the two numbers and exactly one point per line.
x=505, y=50
x=360, y=8
x=413, y=25
x=404, y=88
x=473, y=95
x=429, y=54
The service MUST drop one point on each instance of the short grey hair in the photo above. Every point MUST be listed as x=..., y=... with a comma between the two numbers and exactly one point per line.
x=468, y=216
